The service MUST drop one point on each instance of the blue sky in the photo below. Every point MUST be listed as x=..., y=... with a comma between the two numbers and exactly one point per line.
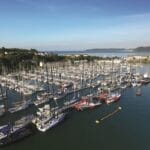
x=74, y=24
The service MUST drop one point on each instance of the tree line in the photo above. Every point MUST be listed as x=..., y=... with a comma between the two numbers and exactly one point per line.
x=14, y=59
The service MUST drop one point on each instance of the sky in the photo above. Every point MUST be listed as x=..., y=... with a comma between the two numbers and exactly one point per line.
x=74, y=24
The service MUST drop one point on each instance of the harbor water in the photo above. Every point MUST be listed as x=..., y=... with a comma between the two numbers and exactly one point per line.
x=106, y=54
x=127, y=129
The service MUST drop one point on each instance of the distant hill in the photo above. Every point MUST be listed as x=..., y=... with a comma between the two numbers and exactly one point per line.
x=142, y=49
x=17, y=50
x=105, y=50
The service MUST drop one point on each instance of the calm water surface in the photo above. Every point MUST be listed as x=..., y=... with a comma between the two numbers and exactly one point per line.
x=128, y=129
x=108, y=54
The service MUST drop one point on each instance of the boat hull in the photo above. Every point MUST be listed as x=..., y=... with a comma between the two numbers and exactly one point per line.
x=17, y=135
x=52, y=123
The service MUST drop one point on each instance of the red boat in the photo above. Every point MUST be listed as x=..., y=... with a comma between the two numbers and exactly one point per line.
x=112, y=98
x=85, y=103
x=103, y=96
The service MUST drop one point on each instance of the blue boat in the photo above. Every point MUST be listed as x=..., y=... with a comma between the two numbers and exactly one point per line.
x=12, y=133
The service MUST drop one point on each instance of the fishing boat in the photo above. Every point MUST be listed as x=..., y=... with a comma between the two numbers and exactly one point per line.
x=44, y=126
x=113, y=97
x=86, y=102
x=109, y=100
x=116, y=96
x=83, y=103
x=43, y=115
x=48, y=117
x=102, y=96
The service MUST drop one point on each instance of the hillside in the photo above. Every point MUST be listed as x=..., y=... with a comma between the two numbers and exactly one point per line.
x=142, y=49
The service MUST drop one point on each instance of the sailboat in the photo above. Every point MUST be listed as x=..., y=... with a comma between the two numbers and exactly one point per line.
x=20, y=105
x=51, y=118
x=3, y=92
x=74, y=99
x=87, y=102
x=2, y=110
x=11, y=133
x=3, y=99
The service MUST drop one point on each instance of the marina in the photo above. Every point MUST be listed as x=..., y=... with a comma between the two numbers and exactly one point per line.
x=45, y=99
x=74, y=75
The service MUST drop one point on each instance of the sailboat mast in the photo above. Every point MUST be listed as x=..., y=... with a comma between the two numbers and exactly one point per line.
x=47, y=80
